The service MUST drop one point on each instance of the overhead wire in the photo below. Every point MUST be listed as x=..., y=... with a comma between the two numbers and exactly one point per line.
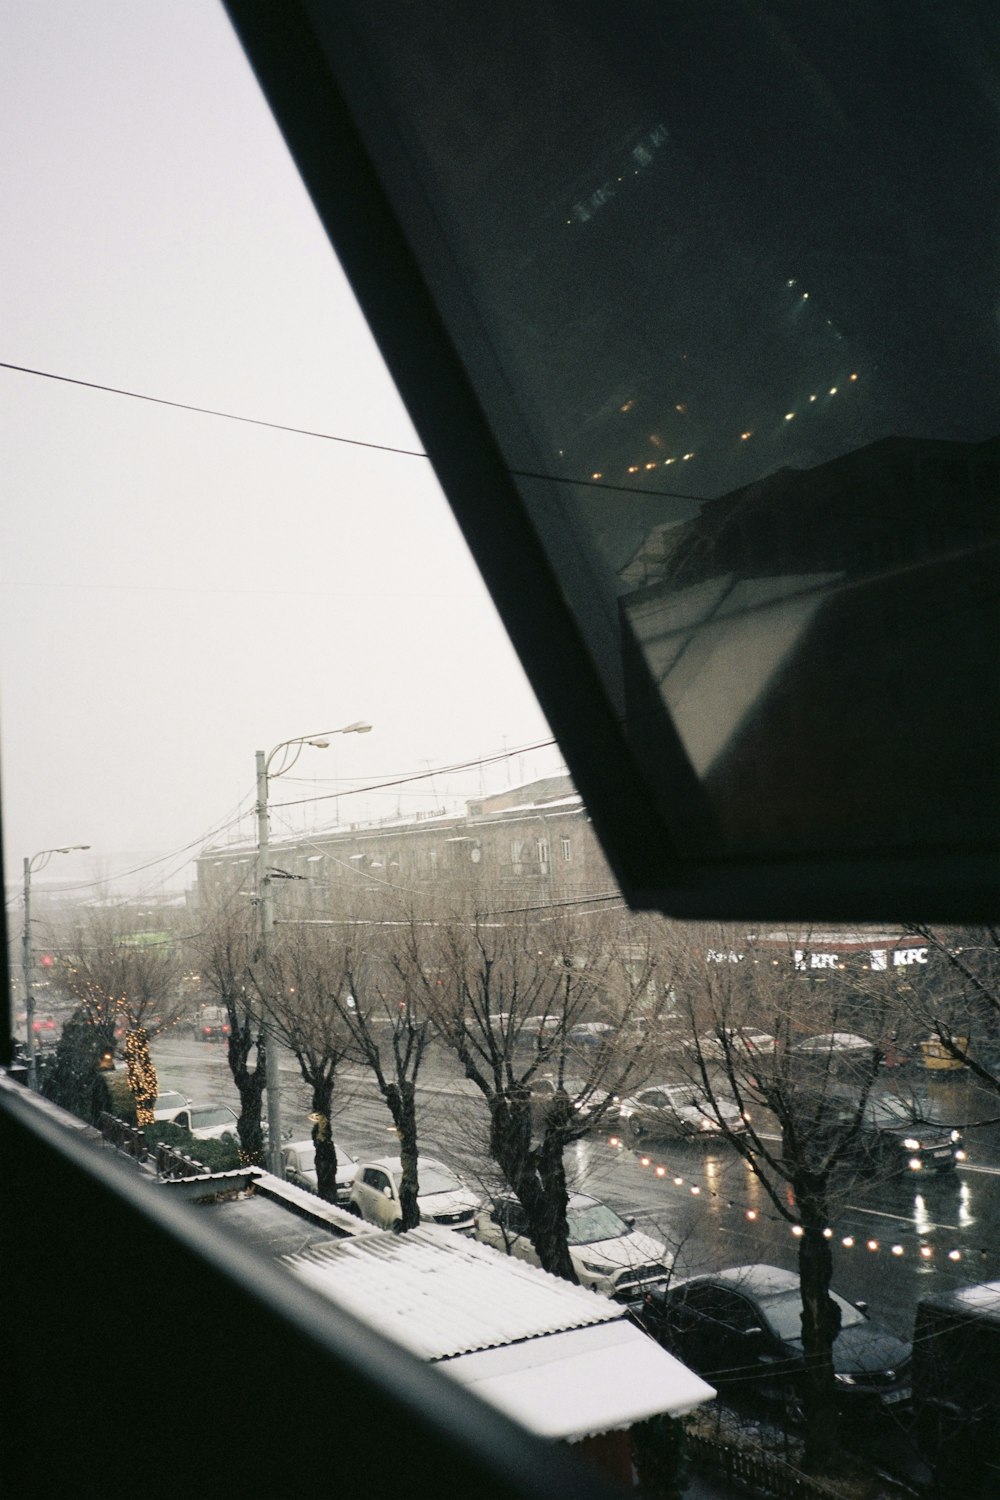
x=330, y=437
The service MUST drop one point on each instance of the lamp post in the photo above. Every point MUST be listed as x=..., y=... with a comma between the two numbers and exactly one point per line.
x=266, y=910
x=31, y=864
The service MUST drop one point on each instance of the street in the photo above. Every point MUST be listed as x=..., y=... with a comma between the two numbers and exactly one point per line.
x=892, y=1241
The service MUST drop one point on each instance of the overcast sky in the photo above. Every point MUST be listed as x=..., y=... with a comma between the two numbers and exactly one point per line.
x=179, y=590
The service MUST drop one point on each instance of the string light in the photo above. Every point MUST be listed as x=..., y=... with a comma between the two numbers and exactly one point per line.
x=848, y=1242
x=873, y=1244
x=898, y=1250
x=798, y=1231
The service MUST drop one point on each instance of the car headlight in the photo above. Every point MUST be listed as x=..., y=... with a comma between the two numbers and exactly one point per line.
x=598, y=1267
x=911, y=1143
x=844, y=1379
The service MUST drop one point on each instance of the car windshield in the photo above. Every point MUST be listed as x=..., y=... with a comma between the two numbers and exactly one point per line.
x=218, y=1115
x=170, y=1101
x=784, y=1314
x=437, y=1180
x=595, y=1222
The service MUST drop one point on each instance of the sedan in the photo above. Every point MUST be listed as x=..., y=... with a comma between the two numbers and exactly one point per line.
x=740, y=1043
x=207, y=1122
x=679, y=1109
x=168, y=1105
x=593, y=1105
x=742, y=1327
x=609, y=1254
x=442, y=1198
x=298, y=1161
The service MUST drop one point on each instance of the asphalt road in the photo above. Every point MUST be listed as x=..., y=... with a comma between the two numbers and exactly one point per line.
x=892, y=1240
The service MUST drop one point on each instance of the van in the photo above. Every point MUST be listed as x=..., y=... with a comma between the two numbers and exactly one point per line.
x=956, y=1389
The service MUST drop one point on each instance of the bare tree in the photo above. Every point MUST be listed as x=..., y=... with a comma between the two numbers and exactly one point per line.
x=816, y=1099
x=380, y=1011
x=509, y=991
x=959, y=996
x=124, y=981
x=296, y=987
x=223, y=946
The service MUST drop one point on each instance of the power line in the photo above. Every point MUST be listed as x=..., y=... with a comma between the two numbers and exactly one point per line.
x=208, y=411
x=468, y=765
x=332, y=437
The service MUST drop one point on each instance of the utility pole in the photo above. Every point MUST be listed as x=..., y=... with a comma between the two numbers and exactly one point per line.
x=265, y=913
x=265, y=910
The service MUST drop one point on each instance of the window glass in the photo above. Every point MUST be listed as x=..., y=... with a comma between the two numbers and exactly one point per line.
x=732, y=320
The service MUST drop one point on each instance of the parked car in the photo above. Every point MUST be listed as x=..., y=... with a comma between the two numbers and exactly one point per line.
x=591, y=1103
x=443, y=1197
x=742, y=1328
x=741, y=1043
x=168, y=1105
x=212, y=1024
x=298, y=1160
x=834, y=1051
x=588, y=1036
x=207, y=1122
x=956, y=1389
x=672, y=1109
x=902, y=1136
x=609, y=1254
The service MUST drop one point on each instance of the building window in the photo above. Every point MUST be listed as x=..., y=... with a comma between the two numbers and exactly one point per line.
x=567, y=849
x=543, y=851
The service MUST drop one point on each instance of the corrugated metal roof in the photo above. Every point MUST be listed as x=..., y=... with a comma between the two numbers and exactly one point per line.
x=442, y=1295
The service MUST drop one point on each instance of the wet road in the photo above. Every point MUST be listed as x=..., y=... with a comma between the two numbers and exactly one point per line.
x=892, y=1240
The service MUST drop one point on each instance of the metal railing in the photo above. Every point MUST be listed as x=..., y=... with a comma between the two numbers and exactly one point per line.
x=123, y=1137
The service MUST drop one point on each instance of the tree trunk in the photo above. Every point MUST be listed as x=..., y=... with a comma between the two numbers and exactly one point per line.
x=249, y=1085
x=401, y=1099
x=820, y=1326
x=322, y=1135
x=536, y=1176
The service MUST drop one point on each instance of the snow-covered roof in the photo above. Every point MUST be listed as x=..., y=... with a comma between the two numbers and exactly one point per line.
x=587, y=1381
x=442, y=1295
x=560, y=1360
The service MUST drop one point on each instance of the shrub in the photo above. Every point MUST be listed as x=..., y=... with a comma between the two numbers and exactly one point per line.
x=217, y=1156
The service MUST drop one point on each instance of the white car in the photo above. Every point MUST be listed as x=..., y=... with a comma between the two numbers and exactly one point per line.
x=207, y=1122
x=682, y=1109
x=741, y=1042
x=609, y=1255
x=168, y=1105
x=442, y=1198
x=298, y=1161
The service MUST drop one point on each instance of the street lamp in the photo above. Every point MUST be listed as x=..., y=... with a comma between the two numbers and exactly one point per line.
x=293, y=749
x=31, y=864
